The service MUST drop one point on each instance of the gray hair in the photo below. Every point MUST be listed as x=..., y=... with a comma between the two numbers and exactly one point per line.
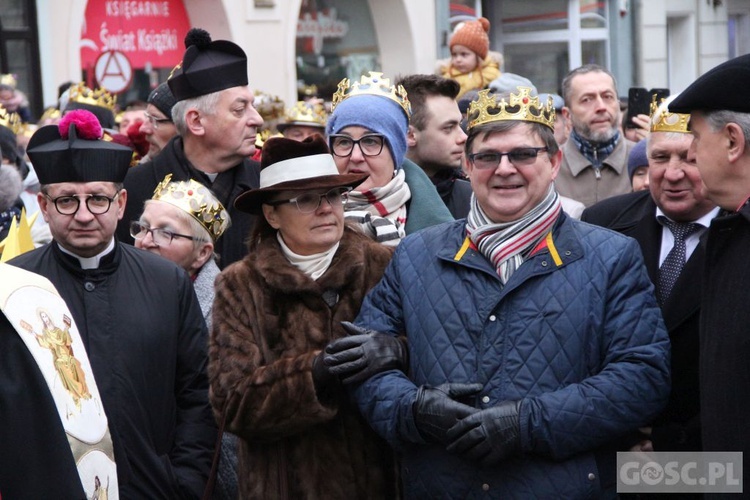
x=204, y=104
x=581, y=70
x=718, y=119
x=11, y=186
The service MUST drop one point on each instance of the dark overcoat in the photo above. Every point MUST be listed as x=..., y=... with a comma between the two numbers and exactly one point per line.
x=141, y=181
x=144, y=333
x=724, y=339
x=634, y=214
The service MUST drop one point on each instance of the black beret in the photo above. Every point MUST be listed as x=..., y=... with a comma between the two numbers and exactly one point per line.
x=721, y=88
x=76, y=159
x=208, y=67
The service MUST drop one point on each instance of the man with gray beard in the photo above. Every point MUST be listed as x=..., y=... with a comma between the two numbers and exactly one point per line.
x=594, y=164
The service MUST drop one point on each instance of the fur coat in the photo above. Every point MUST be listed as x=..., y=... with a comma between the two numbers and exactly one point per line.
x=270, y=320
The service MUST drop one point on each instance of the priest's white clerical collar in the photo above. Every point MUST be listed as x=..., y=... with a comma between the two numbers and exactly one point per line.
x=90, y=262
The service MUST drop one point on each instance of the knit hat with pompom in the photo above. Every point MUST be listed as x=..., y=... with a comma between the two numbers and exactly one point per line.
x=473, y=34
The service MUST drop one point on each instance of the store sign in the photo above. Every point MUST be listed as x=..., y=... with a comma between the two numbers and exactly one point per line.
x=113, y=71
x=320, y=25
x=149, y=33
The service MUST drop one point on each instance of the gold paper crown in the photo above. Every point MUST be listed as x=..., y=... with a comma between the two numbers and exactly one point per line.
x=374, y=84
x=51, y=113
x=195, y=199
x=8, y=79
x=315, y=115
x=100, y=97
x=270, y=107
x=10, y=120
x=307, y=90
x=519, y=107
x=664, y=121
x=262, y=136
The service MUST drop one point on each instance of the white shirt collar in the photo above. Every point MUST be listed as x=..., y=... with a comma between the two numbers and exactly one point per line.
x=90, y=262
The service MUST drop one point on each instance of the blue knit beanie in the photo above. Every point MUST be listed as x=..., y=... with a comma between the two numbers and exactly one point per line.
x=379, y=114
x=637, y=158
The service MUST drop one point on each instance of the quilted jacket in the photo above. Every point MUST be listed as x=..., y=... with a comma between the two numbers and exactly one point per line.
x=575, y=334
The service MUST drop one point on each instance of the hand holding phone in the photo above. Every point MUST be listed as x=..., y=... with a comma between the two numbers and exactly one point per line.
x=639, y=102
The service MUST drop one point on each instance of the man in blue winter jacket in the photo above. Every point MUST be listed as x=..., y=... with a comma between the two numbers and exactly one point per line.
x=535, y=340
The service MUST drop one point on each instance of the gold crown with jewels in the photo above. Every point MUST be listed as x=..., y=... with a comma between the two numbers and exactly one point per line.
x=664, y=121
x=10, y=119
x=305, y=114
x=100, y=97
x=374, y=84
x=195, y=199
x=519, y=107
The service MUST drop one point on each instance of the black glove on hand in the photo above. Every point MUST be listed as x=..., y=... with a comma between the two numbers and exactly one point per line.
x=436, y=409
x=363, y=354
x=488, y=436
x=323, y=379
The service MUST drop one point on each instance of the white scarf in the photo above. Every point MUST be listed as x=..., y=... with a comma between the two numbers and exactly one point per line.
x=381, y=212
x=312, y=265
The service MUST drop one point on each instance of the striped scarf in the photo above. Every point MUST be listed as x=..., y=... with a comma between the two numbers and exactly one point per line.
x=508, y=244
x=381, y=212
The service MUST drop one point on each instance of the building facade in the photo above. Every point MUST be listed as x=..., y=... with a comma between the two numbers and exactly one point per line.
x=299, y=46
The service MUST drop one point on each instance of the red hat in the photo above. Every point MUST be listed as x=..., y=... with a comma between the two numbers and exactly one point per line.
x=473, y=34
x=290, y=165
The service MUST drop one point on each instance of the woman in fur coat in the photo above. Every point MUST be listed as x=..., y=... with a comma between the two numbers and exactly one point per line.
x=280, y=357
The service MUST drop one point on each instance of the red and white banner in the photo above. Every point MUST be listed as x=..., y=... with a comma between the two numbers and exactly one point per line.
x=147, y=32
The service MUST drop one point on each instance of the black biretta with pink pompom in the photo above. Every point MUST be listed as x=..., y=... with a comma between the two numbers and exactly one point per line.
x=207, y=66
x=74, y=151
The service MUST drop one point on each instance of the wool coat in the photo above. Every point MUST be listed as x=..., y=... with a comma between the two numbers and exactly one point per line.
x=724, y=342
x=270, y=320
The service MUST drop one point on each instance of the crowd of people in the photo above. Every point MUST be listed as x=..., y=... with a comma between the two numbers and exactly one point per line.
x=442, y=285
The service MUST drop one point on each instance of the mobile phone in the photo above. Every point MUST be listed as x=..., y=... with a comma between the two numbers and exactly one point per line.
x=639, y=102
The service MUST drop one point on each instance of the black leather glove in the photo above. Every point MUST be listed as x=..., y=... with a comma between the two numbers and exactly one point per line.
x=326, y=383
x=488, y=436
x=363, y=354
x=436, y=409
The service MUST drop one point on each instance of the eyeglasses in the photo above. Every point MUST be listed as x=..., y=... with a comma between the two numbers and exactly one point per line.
x=343, y=145
x=308, y=203
x=154, y=121
x=161, y=237
x=96, y=203
x=518, y=157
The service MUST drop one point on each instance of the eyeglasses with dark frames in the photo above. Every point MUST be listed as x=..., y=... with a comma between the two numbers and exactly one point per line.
x=309, y=202
x=161, y=237
x=97, y=204
x=155, y=122
x=519, y=157
x=343, y=145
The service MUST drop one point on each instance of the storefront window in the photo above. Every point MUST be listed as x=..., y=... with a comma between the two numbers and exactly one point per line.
x=14, y=14
x=546, y=15
x=19, y=49
x=543, y=63
x=593, y=14
x=335, y=40
x=544, y=40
